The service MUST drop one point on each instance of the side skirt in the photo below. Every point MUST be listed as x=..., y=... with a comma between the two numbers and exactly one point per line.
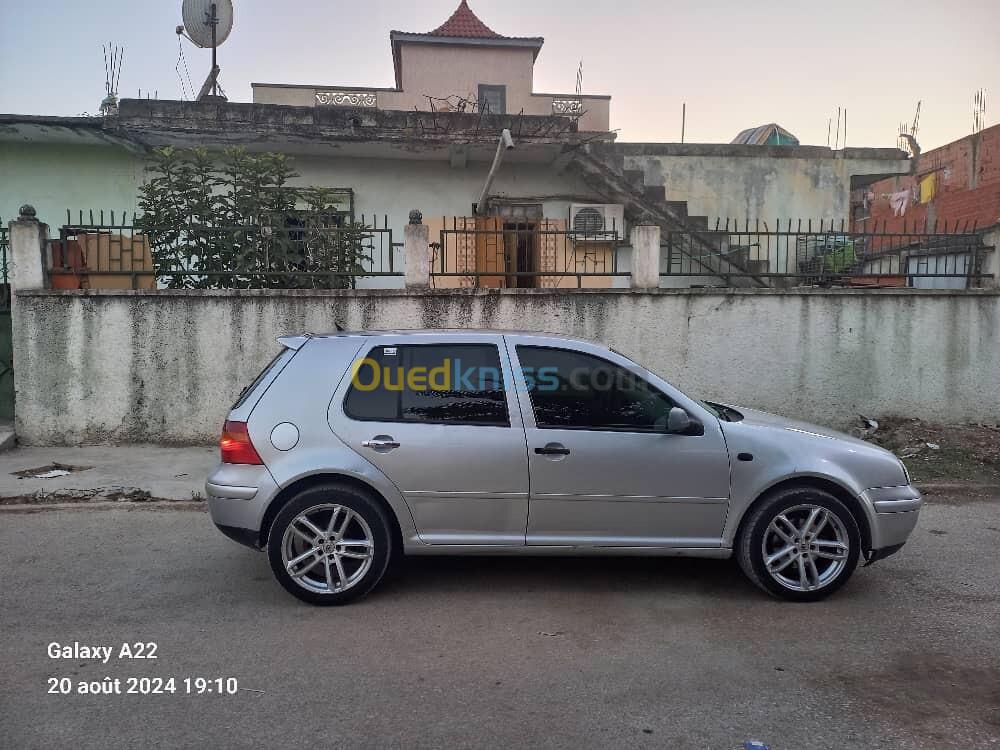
x=719, y=553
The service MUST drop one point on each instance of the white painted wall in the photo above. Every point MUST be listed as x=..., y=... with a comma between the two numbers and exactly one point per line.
x=55, y=177
x=115, y=366
x=396, y=186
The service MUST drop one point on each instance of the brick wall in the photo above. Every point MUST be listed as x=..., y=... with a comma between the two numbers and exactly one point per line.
x=967, y=174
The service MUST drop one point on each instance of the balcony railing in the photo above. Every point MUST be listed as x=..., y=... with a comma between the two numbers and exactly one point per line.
x=567, y=107
x=333, y=98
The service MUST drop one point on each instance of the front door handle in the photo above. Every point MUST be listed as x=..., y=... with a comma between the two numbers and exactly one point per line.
x=380, y=443
x=553, y=449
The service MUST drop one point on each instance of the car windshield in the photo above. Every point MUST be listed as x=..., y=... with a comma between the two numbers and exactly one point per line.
x=719, y=411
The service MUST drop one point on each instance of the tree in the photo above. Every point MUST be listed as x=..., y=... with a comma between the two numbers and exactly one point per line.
x=236, y=223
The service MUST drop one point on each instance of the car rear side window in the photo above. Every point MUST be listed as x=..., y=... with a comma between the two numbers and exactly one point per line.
x=573, y=390
x=429, y=383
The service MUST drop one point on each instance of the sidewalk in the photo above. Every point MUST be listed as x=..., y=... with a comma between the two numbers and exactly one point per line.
x=143, y=474
x=96, y=474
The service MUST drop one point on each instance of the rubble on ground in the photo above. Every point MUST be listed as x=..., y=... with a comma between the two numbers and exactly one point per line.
x=934, y=452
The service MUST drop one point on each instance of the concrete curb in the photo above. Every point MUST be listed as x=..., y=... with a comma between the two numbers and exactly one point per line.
x=930, y=488
x=937, y=488
x=156, y=505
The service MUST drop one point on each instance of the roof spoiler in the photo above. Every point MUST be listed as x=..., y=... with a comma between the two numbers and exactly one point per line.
x=295, y=342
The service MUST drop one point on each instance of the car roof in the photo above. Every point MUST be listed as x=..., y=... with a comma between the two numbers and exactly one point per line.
x=296, y=341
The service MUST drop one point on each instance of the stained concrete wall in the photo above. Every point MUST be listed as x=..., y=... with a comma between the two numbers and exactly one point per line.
x=115, y=366
x=760, y=182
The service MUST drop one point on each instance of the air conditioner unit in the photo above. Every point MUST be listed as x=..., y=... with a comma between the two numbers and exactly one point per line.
x=597, y=222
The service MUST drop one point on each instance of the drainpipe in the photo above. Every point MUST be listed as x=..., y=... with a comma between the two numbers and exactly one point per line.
x=506, y=144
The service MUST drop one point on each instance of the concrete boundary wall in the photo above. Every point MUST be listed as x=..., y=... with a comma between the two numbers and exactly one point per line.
x=163, y=366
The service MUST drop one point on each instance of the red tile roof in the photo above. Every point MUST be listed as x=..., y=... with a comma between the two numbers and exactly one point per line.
x=463, y=28
x=465, y=23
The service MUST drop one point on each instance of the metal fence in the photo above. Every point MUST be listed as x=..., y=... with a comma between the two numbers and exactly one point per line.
x=4, y=252
x=828, y=253
x=4, y=249
x=294, y=250
x=490, y=251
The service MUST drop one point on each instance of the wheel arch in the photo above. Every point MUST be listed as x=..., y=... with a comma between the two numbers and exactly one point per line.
x=312, y=480
x=835, y=488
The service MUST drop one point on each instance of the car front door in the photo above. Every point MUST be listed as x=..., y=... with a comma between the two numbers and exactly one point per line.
x=439, y=417
x=603, y=469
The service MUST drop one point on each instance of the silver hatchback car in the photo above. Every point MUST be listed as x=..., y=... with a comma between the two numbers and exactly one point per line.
x=354, y=449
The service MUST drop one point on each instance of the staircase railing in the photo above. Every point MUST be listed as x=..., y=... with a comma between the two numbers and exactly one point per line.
x=826, y=253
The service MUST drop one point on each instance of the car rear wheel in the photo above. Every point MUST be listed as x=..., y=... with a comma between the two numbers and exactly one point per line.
x=330, y=544
x=800, y=544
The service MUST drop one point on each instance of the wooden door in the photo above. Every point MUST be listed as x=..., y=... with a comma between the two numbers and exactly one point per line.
x=490, y=255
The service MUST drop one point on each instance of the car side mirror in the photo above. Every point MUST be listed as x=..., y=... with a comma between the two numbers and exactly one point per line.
x=679, y=422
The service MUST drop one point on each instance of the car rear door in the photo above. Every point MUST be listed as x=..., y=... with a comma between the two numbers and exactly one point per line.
x=437, y=414
x=603, y=470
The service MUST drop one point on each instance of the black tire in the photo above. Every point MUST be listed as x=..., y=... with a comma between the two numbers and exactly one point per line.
x=371, y=513
x=749, y=544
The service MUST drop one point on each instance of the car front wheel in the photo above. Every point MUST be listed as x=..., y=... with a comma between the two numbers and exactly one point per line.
x=800, y=544
x=329, y=545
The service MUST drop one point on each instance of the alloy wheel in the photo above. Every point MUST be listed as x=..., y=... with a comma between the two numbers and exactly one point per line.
x=806, y=547
x=327, y=548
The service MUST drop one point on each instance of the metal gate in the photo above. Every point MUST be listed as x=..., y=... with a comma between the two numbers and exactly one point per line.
x=6, y=342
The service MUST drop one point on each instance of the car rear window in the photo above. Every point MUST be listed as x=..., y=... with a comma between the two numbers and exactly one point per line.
x=245, y=393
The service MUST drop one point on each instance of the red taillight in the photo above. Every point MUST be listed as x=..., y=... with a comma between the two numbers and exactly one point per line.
x=236, y=446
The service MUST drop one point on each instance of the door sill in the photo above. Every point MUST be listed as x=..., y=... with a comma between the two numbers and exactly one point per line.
x=717, y=552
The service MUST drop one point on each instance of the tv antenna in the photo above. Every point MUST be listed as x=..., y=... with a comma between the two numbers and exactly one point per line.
x=841, y=118
x=113, y=56
x=207, y=24
x=979, y=111
x=908, y=133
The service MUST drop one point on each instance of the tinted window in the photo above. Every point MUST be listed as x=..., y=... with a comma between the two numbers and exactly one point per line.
x=442, y=384
x=245, y=393
x=571, y=390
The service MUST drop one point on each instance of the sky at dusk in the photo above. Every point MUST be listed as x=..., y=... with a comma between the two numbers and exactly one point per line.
x=735, y=64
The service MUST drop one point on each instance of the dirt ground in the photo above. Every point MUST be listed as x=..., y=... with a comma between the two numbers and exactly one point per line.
x=936, y=453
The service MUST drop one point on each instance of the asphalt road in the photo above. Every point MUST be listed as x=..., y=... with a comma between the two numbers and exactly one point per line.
x=539, y=653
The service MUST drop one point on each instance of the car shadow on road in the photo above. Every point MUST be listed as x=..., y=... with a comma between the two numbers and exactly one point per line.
x=423, y=576
x=514, y=577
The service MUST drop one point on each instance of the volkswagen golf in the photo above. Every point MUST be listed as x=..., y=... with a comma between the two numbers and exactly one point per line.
x=353, y=450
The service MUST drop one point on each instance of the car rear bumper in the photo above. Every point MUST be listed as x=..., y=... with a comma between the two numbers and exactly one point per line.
x=895, y=513
x=238, y=496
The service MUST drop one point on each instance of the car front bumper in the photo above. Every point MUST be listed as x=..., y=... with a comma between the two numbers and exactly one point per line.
x=238, y=496
x=894, y=512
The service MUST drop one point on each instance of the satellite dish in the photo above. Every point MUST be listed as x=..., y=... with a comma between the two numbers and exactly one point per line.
x=197, y=15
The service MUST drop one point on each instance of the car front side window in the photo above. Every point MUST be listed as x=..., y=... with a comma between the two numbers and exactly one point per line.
x=573, y=390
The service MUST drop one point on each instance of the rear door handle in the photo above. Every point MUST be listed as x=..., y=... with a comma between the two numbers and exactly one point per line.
x=553, y=449
x=380, y=443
